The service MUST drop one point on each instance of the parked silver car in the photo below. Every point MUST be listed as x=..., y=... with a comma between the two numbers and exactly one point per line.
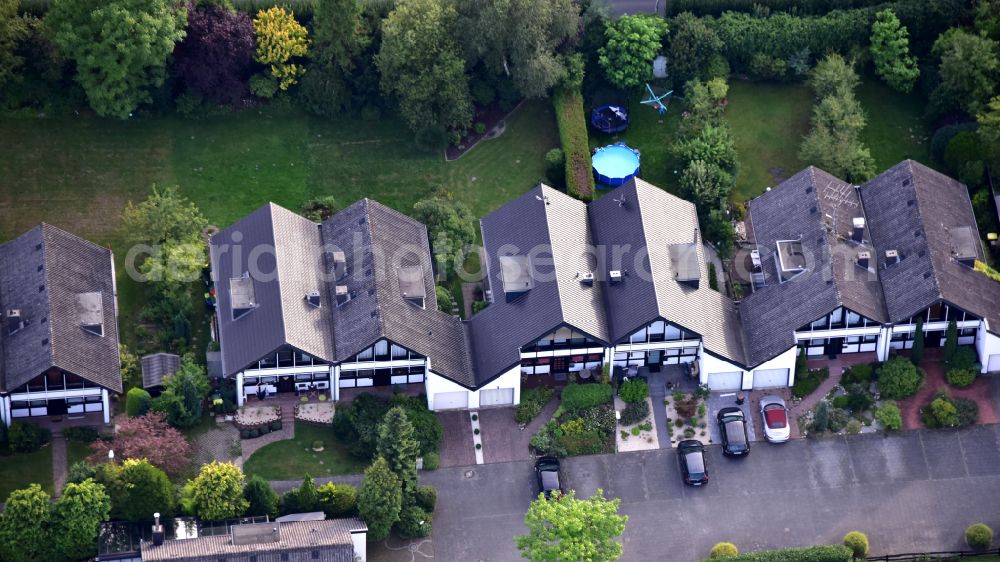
x=775, y=416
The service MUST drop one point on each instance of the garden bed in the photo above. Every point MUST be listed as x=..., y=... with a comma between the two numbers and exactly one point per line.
x=318, y=413
x=260, y=419
x=849, y=408
x=493, y=119
x=687, y=417
x=639, y=436
x=584, y=423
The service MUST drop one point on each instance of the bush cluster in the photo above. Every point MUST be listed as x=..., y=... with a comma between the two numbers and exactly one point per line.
x=81, y=434
x=898, y=378
x=979, y=536
x=582, y=396
x=806, y=384
x=889, y=416
x=635, y=413
x=822, y=553
x=357, y=424
x=532, y=402
x=857, y=542
x=635, y=390
x=27, y=437
x=432, y=461
x=723, y=550
x=944, y=410
x=858, y=374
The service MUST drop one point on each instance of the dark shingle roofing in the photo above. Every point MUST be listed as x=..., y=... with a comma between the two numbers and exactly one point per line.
x=377, y=241
x=157, y=366
x=658, y=238
x=331, y=538
x=281, y=253
x=43, y=273
x=817, y=210
x=551, y=229
x=913, y=210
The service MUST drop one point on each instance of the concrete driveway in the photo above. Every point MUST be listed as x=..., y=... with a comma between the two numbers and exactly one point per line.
x=914, y=491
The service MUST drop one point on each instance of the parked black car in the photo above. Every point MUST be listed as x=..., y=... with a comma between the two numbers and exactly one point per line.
x=733, y=426
x=549, y=478
x=691, y=455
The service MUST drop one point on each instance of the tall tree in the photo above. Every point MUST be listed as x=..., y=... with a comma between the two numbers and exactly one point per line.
x=138, y=490
x=281, y=40
x=214, y=59
x=120, y=47
x=398, y=446
x=146, y=437
x=262, y=499
x=380, y=499
x=339, y=38
x=77, y=517
x=13, y=30
x=693, y=45
x=519, y=39
x=950, y=341
x=706, y=184
x=572, y=529
x=632, y=44
x=24, y=525
x=307, y=497
x=421, y=65
x=890, y=50
x=164, y=216
x=216, y=493
x=969, y=70
x=989, y=130
x=450, y=224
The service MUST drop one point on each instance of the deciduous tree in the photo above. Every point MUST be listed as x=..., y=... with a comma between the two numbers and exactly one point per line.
x=261, y=498
x=146, y=437
x=214, y=59
x=216, y=493
x=989, y=129
x=451, y=226
x=968, y=71
x=138, y=490
x=890, y=50
x=280, y=40
x=120, y=47
x=24, y=525
x=632, y=44
x=164, y=216
x=76, y=518
x=183, y=395
x=13, y=30
x=693, y=44
x=339, y=38
x=421, y=65
x=380, y=499
x=706, y=184
x=573, y=529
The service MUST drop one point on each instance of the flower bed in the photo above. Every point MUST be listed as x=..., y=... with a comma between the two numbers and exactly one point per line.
x=639, y=435
x=255, y=417
x=317, y=413
x=584, y=424
x=687, y=417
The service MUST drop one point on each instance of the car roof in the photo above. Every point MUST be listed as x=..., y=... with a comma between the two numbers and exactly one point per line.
x=771, y=399
x=691, y=444
x=731, y=411
x=550, y=480
x=695, y=460
x=735, y=431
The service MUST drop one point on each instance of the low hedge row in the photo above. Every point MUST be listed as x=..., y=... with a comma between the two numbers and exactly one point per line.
x=254, y=432
x=572, y=121
x=823, y=553
x=583, y=396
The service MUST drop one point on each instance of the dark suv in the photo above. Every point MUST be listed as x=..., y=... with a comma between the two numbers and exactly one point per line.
x=691, y=455
x=733, y=426
x=549, y=481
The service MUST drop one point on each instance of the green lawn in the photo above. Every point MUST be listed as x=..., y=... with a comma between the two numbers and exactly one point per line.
x=896, y=129
x=22, y=469
x=294, y=458
x=78, y=173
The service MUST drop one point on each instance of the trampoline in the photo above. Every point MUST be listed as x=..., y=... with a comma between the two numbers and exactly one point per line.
x=609, y=118
x=615, y=164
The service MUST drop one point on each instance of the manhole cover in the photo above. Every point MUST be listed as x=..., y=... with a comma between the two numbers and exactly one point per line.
x=470, y=473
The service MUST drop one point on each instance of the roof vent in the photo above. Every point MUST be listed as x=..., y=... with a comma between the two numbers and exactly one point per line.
x=313, y=299
x=685, y=262
x=615, y=275
x=906, y=182
x=343, y=296
x=891, y=257
x=14, y=321
x=339, y=265
x=90, y=307
x=858, y=234
x=586, y=278
x=864, y=259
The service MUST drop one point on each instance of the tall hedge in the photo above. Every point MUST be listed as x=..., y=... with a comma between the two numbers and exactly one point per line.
x=833, y=553
x=572, y=121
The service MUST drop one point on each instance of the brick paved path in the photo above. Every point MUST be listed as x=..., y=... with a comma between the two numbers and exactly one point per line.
x=287, y=431
x=218, y=443
x=60, y=471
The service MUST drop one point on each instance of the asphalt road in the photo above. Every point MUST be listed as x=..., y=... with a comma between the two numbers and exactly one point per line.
x=914, y=491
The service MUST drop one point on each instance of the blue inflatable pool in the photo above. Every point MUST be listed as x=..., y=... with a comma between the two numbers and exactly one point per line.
x=615, y=164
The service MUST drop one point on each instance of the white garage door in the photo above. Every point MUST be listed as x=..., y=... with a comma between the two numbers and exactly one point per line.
x=496, y=397
x=725, y=381
x=994, y=364
x=451, y=400
x=770, y=378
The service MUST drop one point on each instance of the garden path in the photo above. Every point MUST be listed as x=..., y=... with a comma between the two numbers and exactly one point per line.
x=287, y=431
x=218, y=443
x=657, y=393
x=60, y=471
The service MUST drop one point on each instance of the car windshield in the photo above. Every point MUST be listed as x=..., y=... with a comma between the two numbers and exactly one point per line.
x=550, y=480
x=695, y=463
x=775, y=416
x=734, y=431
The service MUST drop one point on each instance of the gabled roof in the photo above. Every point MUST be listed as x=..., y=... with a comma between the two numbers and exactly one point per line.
x=157, y=366
x=926, y=216
x=279, y=252
x=380, y=245
x=550, y=229
x=659, y=242
x=59, y=282
x=817, y=211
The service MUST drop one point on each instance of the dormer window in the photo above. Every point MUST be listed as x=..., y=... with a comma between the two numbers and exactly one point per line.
x=411, y=284
x=14, y=321
x=515, y=272
x=90, y=307
x=313, y=299
x=242, y=296
x=342, y=294
x=791, y=259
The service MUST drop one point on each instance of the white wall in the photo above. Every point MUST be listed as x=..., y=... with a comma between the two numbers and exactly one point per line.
x=986, y=344
x=360, y=540
x=435, y=383
x=710, y=364
x=784, y=361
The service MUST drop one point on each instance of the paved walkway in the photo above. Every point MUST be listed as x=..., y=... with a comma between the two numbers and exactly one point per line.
x=836, y=367
x=657, y=393
x=287, y=431
x=456, y=445
x=60, y=470
x=221, y=443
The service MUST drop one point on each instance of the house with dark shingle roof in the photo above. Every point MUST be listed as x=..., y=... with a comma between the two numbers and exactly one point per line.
x=59, y=326
x=840, y=268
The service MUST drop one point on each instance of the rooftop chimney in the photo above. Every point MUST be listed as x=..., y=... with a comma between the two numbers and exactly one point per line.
x=158, y=534
x=864, y=258
x=891, y=257
x=342, y=295
x=339, y=264
x=615, y=275
x=858, y=234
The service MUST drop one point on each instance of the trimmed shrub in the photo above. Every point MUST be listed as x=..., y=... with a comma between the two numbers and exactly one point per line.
x=555, y=167
x=426, y=497
x=853, y=427
x=806, y=384
x=840, y=401
x=898, y=378
x=414, y=523
x=254, y=433
x=244, y=434
x=635, y=390
x=858, y=374
x=479, y=128
x=635, y=413
x=979, y=536
x=858, y=399
x=532, y=402
x=137, y=402
x=964, y=358
x=857, y=542
x=889, y=416
x=337, y=500
x=823, y=553
x=27, y=437
x=572, y=121
x=821, y=420
x=582, y=396
x=432, y=461
x=961, y=377
x=276, y=425
x=81, y=434
x=723, y=550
